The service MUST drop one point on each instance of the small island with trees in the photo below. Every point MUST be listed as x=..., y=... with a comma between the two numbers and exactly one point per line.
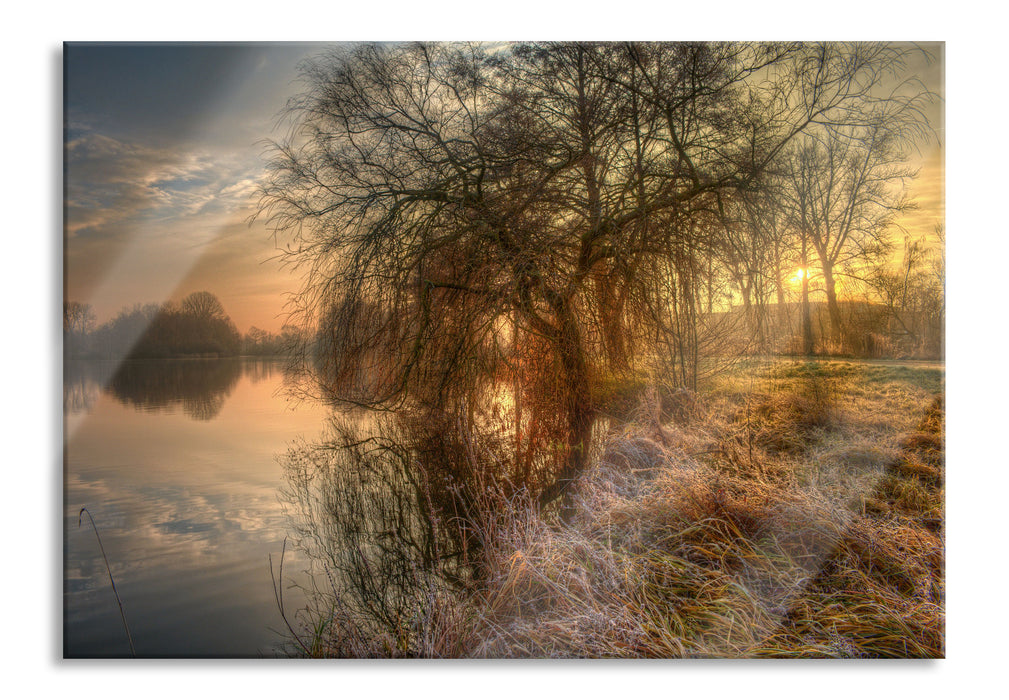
x=196, y=327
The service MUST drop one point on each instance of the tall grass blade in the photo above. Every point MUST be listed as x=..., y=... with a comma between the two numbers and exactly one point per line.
x=122, y=612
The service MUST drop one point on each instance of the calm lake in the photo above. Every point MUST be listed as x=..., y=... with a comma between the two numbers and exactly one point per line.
x=177, y=461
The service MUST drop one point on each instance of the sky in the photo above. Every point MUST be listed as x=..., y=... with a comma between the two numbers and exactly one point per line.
x=929, y=188
x=163, y=149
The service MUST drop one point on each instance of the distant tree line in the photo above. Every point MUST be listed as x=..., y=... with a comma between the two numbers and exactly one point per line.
x=197, y=326
x=260, y=342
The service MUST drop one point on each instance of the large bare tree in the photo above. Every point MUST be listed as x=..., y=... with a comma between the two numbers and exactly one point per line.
x=458, y=211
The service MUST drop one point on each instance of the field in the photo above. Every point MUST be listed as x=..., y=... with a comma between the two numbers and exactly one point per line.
x=787, y=509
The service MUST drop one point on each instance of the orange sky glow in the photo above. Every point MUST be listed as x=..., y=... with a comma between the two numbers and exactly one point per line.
x=160, y=182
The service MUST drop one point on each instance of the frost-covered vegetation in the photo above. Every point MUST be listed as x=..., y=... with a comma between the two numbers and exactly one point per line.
x=788, y=509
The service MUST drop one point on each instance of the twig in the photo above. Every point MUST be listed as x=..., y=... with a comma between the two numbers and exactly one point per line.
x=279, y=597
x=108, y=568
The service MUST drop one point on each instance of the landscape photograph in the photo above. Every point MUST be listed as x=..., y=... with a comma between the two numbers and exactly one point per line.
x=503, y=350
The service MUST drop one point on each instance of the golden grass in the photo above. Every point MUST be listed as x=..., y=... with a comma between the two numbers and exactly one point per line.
x=782, y=521
x=797, y=510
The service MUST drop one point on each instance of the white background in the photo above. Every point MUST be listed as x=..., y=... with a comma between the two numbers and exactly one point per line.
x=977, y=235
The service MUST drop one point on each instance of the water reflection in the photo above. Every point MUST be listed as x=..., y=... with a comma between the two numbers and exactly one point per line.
x=183, y=487
x=82, y=384
x=199, y=386
x=178, y=462
x=385, y=511
x=370, y=530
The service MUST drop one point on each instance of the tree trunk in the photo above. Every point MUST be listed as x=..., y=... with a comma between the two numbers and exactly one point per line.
x=576, y=403
x=611, y=307
x=807, y=321
x=832, y=307
x=782, y=327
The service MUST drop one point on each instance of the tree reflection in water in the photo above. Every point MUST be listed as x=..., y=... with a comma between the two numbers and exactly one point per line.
x=387, y=510
x=82, y=385
x=200, y=386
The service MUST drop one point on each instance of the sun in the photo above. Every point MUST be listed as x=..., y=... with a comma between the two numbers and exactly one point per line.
x=799, y=275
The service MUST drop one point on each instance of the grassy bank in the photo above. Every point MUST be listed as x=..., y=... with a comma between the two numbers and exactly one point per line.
x=789, y=509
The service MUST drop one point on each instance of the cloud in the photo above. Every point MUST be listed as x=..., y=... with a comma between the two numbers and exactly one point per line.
x=161, y=162
x=242, y=189
x=147, y=223
x=110, y=181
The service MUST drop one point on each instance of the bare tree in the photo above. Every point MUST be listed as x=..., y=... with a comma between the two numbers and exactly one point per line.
x=913, y=294
x=539, y=210
x=78, y=324
x=203, y=305
x=78, y=318
x=848, y=183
